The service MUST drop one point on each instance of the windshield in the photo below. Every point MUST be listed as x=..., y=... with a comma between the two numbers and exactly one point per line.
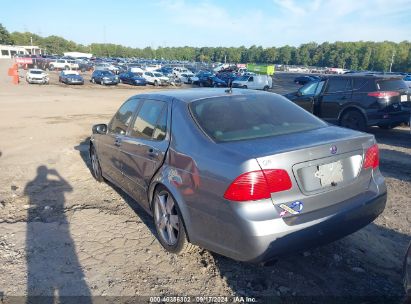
x=226, y=119
x=36, y=72
x=106, y=73
x=158, y=74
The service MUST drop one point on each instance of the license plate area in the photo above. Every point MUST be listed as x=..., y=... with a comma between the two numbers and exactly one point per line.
x=330, y=174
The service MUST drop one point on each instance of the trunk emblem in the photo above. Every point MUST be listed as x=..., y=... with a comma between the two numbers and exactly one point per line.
x=333, y=149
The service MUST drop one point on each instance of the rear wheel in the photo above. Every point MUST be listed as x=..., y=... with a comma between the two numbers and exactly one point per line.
x=93, y=80
x=95, y=164
x=67, y=67
x=245, y=87
x=266, y=88
x=169, y=224
x=155, y=83
x=353, y=120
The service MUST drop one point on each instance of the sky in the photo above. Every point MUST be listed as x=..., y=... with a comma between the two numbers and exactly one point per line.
x=154, y=23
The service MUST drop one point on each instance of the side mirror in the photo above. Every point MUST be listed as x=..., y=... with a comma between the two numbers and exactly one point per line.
x=100, y=129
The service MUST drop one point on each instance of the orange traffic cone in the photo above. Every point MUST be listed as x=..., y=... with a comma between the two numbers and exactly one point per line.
x=16, y=79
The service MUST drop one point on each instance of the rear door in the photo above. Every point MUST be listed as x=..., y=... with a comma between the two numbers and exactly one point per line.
x=108, y=145
x=337, y=94
x=143, y=150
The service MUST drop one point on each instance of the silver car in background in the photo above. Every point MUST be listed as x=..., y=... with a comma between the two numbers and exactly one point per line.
x=246, y=174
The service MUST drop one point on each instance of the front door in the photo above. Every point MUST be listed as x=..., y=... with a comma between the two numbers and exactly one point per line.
x=337, y=93
x=109, y=144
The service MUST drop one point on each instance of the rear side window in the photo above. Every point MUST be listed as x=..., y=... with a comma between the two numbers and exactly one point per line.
x=123, y=117
x=391, y=85
x=233, y=118
x=151, y=121
x=338, y=85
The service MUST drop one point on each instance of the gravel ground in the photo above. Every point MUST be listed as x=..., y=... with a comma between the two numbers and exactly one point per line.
x=64, y=234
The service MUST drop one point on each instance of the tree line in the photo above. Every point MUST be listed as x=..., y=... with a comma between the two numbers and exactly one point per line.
x=360, y=55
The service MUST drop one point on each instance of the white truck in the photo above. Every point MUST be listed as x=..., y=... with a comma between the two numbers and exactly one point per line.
x=255, y=82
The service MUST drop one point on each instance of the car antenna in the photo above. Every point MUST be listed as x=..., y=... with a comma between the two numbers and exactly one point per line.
x=230, y=87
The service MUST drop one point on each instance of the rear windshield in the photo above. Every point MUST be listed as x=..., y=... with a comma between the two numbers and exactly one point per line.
x=232, y=118
x=391, y=85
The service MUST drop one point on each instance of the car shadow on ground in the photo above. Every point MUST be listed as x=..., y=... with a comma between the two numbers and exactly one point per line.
x=364, y=267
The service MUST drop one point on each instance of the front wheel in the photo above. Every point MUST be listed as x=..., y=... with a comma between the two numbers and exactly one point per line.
x=169, y=225
x=93, y=80
x=95, y=164
x=353, y=120
x=156, y=83
x=386, y=127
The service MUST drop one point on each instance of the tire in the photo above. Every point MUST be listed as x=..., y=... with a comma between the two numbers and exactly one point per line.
x=67, y=67
x=172, y=237
x=156, y=83
x=266, y=88
x=245, y=87
x=93, y=80
x=121, y=81
x=353, y=119
x=51, y=67
x=95, y=165
x=200, y=84
x=215, y=85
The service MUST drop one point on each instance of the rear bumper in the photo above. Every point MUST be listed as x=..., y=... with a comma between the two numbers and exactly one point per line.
x=393, y=119
x=261, y=241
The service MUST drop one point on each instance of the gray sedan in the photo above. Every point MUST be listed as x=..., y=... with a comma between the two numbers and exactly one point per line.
x=246, y=174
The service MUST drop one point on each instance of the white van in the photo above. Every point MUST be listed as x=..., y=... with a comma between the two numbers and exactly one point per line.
x=255, y=82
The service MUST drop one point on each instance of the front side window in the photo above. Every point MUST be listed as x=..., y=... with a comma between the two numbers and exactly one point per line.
x=151, y=121
x=122, y=119
x=309, y=89
x=226, y=119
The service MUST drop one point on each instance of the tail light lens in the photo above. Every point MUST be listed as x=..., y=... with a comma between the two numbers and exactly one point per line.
x=384, y=94
x=257, y=185
x=372, y=157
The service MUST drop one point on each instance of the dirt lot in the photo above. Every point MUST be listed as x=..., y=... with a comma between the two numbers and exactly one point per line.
x=64, y=234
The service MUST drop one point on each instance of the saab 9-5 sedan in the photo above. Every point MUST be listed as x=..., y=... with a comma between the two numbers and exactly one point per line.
x=245, y=174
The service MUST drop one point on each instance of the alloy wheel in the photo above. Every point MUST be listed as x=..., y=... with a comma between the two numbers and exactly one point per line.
x=166, y=218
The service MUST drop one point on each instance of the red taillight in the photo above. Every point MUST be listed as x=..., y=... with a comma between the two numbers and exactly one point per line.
x=372, y=157
x=383, y=94
x=257, y=185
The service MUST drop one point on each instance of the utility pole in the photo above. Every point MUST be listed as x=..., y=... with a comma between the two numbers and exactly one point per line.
x=392, y=59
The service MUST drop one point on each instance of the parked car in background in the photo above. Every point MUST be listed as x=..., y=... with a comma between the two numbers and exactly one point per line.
x=177, y=71
x=70, y=77
x=84, y=65
x=357, y=101
x=302, y=80
x=241, y=163
x=104, y=77
x=166, y=71
x=407, y=79
x=156, y=78
x=188, y=78
x=255, y=82
x=63, y=64
x=107, y=67
x=211, y=81
x=37, y=76
x=132, y=78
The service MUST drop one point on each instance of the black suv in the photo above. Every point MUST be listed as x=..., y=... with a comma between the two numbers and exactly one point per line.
x=357, y=101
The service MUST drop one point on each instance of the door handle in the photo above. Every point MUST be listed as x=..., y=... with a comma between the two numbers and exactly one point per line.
x=117, y=142
x=153, y=152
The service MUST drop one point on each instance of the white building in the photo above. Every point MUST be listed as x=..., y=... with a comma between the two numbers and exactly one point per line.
x=9, y=51
x=78, y=54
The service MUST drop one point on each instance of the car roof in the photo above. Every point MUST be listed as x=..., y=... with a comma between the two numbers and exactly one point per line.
x=190, y=95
